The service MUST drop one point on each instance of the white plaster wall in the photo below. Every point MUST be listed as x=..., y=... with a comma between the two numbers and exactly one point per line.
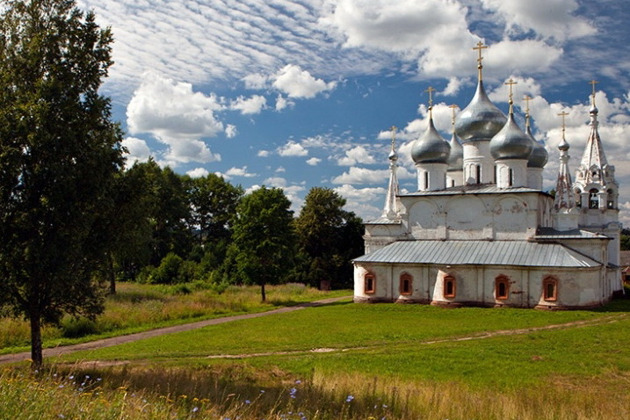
x=478, y=153
x=467, y=217
x=456, y=176
x=519, y=172
x=535, y=178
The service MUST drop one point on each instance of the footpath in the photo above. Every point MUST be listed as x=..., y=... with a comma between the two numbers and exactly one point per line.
x=114, y=341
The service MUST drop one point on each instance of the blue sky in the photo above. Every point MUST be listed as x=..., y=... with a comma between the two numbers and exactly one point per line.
x=296, y=94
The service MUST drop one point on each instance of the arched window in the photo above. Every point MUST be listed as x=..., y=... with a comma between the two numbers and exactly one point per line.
x=369, y=284
x=611, y=199
x=449, y=287
x=593, y=199
x=578, y=197
x=426, y=180
x=550, y=289
x=502, y=288
x=510, y=177
x=406, y=284
x=478, y=174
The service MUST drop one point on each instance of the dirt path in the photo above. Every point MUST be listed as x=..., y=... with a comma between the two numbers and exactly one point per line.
x=114, y=341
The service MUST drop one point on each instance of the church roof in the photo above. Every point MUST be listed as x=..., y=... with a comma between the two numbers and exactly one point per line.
x=547, y=233
x=473, y=189
x=497, y=253
x=593, y=152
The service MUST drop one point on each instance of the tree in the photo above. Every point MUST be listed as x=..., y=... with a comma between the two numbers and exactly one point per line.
x=213, y=202
x=328, y=237
x=263, y=239
x=59, y=153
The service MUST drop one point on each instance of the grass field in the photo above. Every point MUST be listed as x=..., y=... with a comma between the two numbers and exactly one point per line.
x=351, y=361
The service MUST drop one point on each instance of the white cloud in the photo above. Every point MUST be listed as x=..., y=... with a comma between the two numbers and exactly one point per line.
x=357, y=175
x=282, y=103
x=255, y=81
x=313, y=161
x=454, y=84
x=249, y=106
x=356, y=155
x=263, y=153
x=198, y=173
x=524, y=56
x=292, y=149
x=137, y=150
x=237, y=172
x=280, y=169
x=547, y=18
x=298, y=83
x=176, y=116
x=230, y=131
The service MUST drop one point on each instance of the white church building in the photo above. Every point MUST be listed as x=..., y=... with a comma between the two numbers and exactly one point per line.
x=479, y=231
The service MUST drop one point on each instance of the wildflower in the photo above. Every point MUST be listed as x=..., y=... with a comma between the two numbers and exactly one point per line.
x=262, y=391
x=298, y=382
x=71, y=377
x=292, y=392
x=349, y=398
x=248, y=402
x=195, y=409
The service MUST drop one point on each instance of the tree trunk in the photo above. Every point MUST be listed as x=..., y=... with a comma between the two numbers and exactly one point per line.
x=36, y=342
x=112, y=275
x=262, y=292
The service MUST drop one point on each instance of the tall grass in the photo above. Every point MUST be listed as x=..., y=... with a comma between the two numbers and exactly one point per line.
x=234, y=392
x=136, y=307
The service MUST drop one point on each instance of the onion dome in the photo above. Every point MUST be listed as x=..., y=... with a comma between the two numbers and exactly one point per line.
x=430, y=147
x=539, y=156
x=511, y=142
x=456, y=158
x=481, y=119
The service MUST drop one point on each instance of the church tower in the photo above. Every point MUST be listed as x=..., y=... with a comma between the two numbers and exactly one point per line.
x=455, y=171
x=538, y=159
x=565, y=215
x=391, y=210
x=476, y=125
x=510, y=149
x=430, y=153
x=596, y=189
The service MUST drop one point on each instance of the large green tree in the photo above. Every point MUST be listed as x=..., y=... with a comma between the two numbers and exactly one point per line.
x=59, y=153
x=263, y=238
x=328, y=238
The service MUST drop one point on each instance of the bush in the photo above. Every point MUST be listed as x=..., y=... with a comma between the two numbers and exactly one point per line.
x=168, y=271
x=78, y=327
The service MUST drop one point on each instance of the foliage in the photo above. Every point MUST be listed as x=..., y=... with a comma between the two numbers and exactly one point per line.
x=263, y=239
x=59, y=153
x=212, y=202
x=625, y=240
x=138, y=307
x=328, y=237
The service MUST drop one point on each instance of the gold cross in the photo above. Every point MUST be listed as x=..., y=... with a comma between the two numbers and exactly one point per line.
x=430, y=90
x=527, y=99
x=394, y=128
x=563, y=114
x=593, y=83
x=479, y=49
x=453, y=108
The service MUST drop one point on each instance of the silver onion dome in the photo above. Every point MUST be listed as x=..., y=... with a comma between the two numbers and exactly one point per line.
x=481, y=119
x=511, y=142
x=456, y=158
x=539, y=156
x=430, y=147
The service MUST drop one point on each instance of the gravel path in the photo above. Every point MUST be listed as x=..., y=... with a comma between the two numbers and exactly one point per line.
x=114, y=341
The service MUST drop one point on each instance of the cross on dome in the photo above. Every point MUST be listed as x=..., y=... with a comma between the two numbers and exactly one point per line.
x=511, y=83
x=593, y=83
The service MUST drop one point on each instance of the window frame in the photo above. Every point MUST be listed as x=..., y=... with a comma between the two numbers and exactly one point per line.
x=405, y=278
x=367, y=278
x=547, y=282
x=446, y=281
x=505, y=281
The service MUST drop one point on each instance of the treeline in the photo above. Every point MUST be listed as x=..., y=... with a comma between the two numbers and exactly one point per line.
x=172, y=228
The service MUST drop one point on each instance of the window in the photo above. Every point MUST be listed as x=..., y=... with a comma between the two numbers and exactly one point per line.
x=426, y=180
x=406, y=282
x=369, y=285
x=502, y=288
x=478, y=174
x=449, y=287
x=593, y=199
x=452, y=182
x=510, y=177
x=550, y=289
x=578, y=197
x=611, y=199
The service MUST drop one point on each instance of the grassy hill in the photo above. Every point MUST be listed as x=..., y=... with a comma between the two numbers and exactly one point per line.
x=353, y=361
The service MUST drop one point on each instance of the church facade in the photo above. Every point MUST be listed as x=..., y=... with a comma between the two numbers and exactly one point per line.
x=480, y=231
